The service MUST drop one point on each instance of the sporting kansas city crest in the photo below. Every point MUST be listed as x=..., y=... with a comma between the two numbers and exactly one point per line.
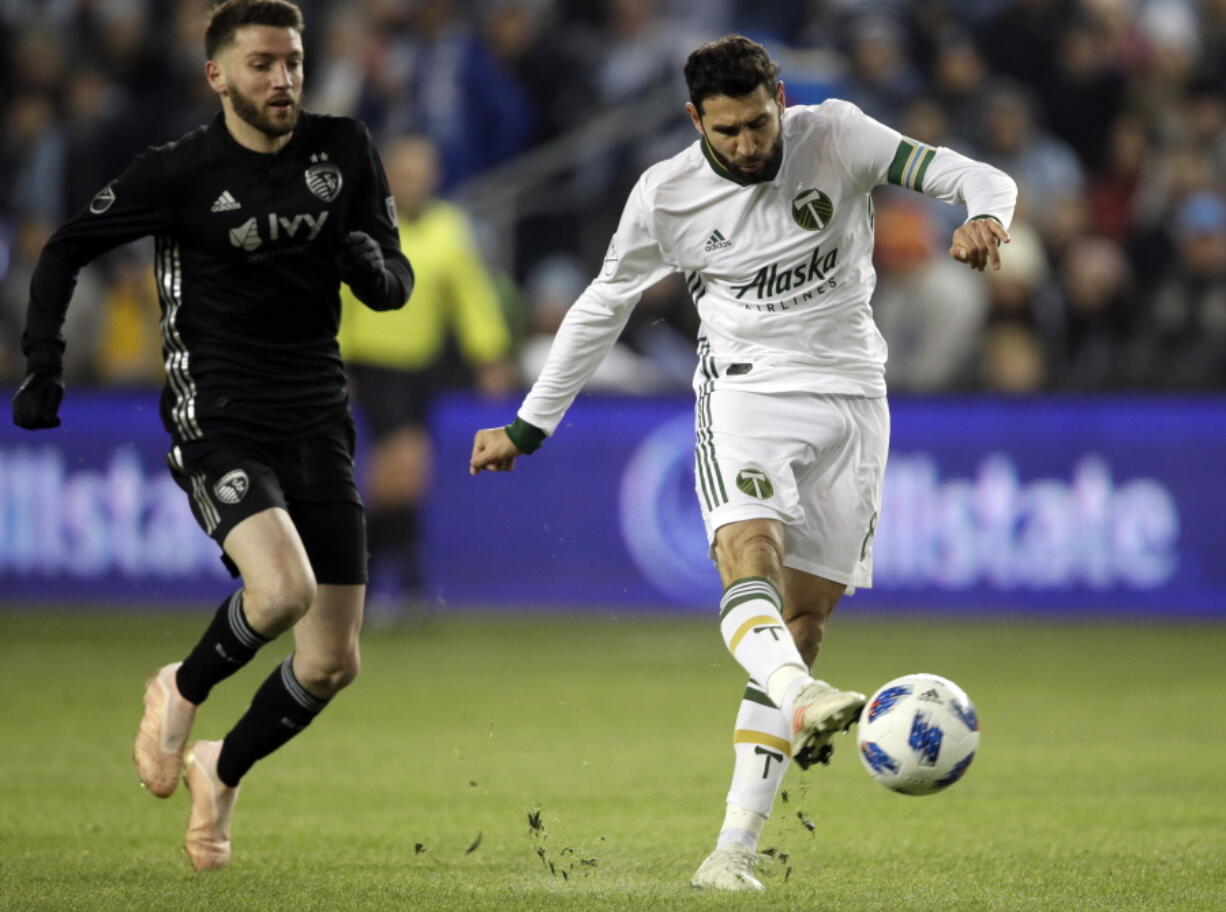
x=232, y=487
x=324, y=178
x=812, y=209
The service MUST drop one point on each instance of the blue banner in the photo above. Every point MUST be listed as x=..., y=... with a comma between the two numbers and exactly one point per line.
x=1057, y=506
x=89, y=512
x=1063, y=506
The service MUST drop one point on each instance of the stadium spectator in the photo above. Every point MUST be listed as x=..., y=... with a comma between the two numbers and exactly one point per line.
x=1047, y=172
x=881, y=78
x=1130, y=91
x=445, y=81
x=83, y=320
x=1183, y=338
x=929, y=309
x=1025, y=322
x=958, y=76
x=1101, y=312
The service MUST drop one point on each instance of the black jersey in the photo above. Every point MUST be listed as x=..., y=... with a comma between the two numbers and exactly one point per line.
x=248, y=271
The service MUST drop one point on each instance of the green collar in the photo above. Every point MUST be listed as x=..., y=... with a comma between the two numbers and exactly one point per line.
x=769, y=175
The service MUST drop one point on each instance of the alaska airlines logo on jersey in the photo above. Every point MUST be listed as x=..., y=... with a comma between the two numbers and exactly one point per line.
x=812, y=209
x=247, y=235
x=103, y=200
x=717, y=242
x=323, y=178
x=777, y=279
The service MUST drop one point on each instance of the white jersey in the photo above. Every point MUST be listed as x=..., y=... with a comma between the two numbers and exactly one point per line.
x=781, y=271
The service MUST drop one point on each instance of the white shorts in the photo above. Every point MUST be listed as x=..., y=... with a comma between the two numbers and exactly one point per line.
x=814, y=462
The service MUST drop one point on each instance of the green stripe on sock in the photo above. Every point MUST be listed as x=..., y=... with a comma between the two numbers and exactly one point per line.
x=757, y=696
x=756, y=595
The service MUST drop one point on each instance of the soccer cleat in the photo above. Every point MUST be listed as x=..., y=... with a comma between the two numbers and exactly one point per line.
x=158, y=750
x=818, y=712
x=729, y=868
x=208, y=826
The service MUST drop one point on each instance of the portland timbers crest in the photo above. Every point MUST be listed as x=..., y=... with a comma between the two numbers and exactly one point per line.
x=753, y=481
x=812, y=209
x=323, y=178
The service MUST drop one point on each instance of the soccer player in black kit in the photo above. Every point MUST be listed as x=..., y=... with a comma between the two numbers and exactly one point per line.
x=258, y=217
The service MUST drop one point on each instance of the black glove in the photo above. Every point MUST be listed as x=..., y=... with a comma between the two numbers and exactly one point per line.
x=38, y=400
x=360, y=256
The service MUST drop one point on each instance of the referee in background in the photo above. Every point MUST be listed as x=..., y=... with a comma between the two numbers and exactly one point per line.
x=258, y=217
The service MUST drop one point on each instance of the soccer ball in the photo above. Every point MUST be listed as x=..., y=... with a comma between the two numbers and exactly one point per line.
x=918, y=734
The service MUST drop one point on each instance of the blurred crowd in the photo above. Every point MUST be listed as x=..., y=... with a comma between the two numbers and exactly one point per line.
x=1110, y=114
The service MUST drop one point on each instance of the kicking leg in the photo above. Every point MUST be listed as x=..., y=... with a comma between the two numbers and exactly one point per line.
x=750, y=559
x=761, y=742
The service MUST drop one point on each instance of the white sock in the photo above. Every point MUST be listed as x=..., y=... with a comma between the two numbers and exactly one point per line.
x=752, y=625
x=783, y=686
x=762, y=750
x=741, y=828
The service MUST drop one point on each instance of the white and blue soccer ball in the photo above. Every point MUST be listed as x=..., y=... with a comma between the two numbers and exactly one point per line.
x=918, y=734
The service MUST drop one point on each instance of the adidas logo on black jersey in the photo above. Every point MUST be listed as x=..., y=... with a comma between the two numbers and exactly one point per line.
x=717, y=241
x=226, y=203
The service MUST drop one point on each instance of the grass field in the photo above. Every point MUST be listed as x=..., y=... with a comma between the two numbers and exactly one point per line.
x=1099, y=783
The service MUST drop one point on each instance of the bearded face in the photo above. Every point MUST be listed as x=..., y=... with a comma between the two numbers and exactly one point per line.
x=276, y=116
x=259, y=76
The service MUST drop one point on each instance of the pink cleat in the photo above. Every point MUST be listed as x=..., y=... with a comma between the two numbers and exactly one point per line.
x=158, y=751
x=208, y=826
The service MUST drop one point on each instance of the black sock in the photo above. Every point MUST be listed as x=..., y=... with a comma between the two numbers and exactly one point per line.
x=280, y=709
x=226, y=646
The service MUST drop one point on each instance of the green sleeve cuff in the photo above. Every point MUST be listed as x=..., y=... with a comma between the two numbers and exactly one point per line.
x=975, y=218
x=526, y=437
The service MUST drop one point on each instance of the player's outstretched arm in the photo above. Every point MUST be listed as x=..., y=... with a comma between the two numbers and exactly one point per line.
x=977, y=243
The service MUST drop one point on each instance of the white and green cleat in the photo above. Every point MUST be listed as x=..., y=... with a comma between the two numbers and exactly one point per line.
x=819, y=712
x=730, y=868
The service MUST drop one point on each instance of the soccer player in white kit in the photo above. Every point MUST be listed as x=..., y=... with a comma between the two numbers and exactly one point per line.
x=769, y=218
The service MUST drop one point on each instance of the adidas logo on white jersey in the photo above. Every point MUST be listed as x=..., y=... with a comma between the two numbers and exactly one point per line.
x=717, y=241
x=226, y=203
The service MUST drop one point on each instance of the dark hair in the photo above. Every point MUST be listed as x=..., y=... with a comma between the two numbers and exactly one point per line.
x=230, y=16
x=732, y=66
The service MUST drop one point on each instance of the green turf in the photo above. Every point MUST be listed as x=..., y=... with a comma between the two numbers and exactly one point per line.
x=1098, y=785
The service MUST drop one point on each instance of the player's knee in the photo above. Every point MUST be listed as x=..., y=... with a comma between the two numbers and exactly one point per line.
x=329, y=675
x=278, y=602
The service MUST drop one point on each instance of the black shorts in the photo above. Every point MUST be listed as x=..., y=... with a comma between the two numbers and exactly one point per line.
x=392, y=399
x=228, y=478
